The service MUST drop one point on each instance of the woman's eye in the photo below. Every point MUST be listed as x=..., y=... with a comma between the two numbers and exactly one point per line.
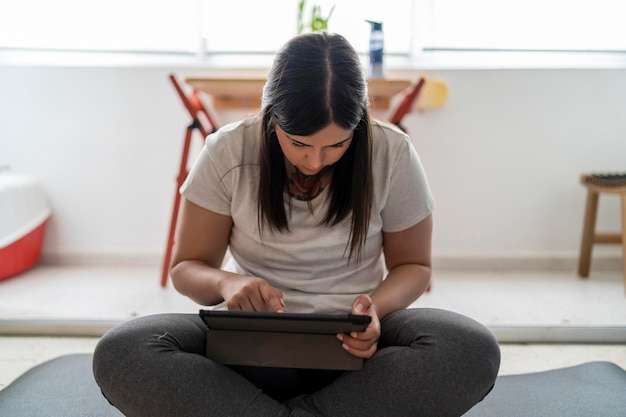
x=338, y=145
x=297, y=144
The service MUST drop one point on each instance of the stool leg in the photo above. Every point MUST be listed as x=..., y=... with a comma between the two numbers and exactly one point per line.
x=623, y=198
x=584, y=261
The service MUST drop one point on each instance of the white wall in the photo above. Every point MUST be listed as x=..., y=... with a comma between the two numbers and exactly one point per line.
x=503, y=157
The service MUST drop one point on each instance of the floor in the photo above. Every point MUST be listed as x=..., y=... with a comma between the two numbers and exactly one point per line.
x=543, y=320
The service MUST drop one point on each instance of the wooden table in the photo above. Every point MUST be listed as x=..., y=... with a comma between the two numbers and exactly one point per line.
x=235, y=93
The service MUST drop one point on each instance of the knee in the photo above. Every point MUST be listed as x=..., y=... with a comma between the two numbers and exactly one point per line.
x=120, y=349
x=487, y=352
x=461, y=341
x=108, y=354
x=478, y=350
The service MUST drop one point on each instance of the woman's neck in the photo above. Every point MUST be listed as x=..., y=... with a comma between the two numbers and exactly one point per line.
x=307, y=187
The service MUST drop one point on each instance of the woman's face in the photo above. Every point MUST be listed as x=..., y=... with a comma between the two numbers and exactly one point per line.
x=311, y=154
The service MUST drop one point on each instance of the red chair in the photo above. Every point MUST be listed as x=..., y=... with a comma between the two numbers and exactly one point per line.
x=406, y=103
x=203, y=121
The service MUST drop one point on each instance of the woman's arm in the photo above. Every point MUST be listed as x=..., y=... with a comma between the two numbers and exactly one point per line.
x=408, y=260
x=200, y=245
x=202, y=237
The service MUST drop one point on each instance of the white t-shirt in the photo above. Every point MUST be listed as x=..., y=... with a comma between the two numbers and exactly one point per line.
x=306, y=263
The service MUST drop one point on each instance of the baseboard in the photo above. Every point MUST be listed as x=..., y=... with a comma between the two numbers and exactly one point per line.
x=127, y=258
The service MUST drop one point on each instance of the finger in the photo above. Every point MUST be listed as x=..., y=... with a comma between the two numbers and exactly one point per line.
x=359, y=341
x=250, y=298
x=361, y=349
x=273, y=298
x=361, y=304
x=234, y=307
x=245, y=305
x=369, y=333
x=258, y=303
x=240, y=302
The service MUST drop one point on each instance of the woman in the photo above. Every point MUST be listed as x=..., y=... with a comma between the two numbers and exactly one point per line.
x=323, y=210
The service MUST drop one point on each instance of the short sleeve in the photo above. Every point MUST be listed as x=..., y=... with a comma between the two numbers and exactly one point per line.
x=409, y=199
x=204, y=185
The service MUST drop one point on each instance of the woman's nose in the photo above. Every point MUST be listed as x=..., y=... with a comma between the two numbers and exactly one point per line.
x=315, y=159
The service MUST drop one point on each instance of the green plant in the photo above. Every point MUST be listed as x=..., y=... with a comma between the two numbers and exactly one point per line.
x=317, y=22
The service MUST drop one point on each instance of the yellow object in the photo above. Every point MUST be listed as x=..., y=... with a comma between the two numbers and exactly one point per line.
x=433, y=95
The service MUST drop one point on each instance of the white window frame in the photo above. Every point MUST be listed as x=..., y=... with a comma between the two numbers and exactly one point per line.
x=425, y=50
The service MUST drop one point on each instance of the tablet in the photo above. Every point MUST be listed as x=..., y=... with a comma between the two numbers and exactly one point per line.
x=293, y=340
x=316, y=323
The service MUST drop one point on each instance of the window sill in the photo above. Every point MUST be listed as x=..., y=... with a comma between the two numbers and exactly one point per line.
x=430, y=60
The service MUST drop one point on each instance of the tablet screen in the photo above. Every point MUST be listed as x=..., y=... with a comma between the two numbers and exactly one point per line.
x=319, y=323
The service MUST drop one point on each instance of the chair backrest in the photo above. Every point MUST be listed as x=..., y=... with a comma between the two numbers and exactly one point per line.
x=202, y=119
x=406, y=103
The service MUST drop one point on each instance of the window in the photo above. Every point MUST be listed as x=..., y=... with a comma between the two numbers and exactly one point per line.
x=179, y=25
x=273, y=23
x=594, y=25
x=111, y=25
x=255, y=26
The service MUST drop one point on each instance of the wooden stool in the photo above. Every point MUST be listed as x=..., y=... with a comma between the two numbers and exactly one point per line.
x=597, y=184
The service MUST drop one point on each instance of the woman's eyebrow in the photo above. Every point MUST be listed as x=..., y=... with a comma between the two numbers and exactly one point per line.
x=304, y=144
x=296, y=141
x=342, y=141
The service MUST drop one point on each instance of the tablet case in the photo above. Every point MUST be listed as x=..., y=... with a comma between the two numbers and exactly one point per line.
x=285, y=340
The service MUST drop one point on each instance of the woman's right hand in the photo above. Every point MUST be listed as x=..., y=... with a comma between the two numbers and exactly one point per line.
x=243, y=293
x=202, y=238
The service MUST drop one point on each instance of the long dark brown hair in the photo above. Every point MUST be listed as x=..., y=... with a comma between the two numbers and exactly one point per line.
x=317, y=79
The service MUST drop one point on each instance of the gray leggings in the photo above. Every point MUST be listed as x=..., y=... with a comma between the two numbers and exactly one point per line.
x=429, y=362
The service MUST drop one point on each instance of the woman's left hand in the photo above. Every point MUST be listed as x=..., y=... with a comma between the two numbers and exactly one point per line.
x=363, y=344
